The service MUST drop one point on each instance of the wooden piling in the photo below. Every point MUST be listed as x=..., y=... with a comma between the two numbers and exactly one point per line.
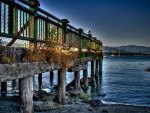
x=100, y=66
x=85, y=78
x=26, y=94
x=77, y=80
x=61, y=86
x=51, y=78
x=40, y=81
x=92, y=70
x=3, y=88
x=96, y=68
x=14, y=84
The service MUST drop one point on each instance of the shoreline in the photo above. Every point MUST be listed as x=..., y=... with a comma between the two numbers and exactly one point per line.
x=83, y=107
x=11, y=105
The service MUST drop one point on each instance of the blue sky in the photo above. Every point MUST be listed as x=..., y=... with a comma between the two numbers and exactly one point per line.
x=115, y=22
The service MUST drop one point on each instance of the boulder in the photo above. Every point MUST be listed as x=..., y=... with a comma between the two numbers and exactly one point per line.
x=40, y=106
x=84, y=96
x=95, y=103
x=148, y=69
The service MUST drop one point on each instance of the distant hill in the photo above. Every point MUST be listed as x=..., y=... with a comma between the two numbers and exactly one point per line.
x=128, y=49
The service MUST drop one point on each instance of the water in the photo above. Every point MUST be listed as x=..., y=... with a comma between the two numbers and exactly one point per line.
x=125, y=80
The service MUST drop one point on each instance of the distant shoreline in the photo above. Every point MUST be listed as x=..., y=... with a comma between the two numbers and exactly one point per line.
x=124, y=54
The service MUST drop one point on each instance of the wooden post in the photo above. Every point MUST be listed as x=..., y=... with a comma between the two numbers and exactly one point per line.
x=40, y=81
x=77, y=80
x=26, y=94
x=61, y=86
x=3, y=88
x=51, y=78
x=100, y=66
x=92, y=70
x=64, y=24
x=14, y=84
x=96, y=68
x=85, y=78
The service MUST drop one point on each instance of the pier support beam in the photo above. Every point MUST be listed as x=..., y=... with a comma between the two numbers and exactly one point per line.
x=26, y=94
x=96, y=68
x=61, y=86
x=77, y=80
x=14, y=84
x=85, y=78
x=92, y=70
x=51, y=78
x=40, y=81
x=100, y=66
x=3, y=88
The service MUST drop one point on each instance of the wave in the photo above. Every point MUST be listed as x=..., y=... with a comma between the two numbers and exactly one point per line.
x=120, y=103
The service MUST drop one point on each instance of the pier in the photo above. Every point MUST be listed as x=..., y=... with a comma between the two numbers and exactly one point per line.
x=24, y=25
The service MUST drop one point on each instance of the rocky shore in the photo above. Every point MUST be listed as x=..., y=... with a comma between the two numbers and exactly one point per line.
x=77, y=101
x=80, y=103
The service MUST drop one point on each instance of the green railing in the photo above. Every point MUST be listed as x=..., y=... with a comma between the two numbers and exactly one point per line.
x=23, y=22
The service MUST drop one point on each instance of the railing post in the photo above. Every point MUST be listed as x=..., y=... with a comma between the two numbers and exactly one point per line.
x=0, y=17
x=80, y=36
x=64, y=24
x=33, y=21
x=11, y=20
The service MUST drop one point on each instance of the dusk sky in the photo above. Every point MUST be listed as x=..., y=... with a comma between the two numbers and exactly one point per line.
x=115, y=22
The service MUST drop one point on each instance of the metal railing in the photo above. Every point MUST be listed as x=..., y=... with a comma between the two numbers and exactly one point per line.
x=23, y=22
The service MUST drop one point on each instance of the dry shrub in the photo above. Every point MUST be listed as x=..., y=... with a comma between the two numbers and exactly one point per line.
x=52, y=52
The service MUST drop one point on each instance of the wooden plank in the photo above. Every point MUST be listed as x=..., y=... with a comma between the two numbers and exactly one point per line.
x=22, y=70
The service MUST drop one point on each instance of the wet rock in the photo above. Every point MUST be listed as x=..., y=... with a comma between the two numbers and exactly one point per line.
x=43, y=95
x=69, y=88
x=148, y=69
x=40, y=106
x=95, y=103
x=75, y=93
x=103, y=94
x=39, y=94
x=104, y=111
x=84, y=96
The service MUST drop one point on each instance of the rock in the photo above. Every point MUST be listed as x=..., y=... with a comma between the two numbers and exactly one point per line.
x=43, y=95
x=46, y=105
x=99, y=94
x=148, y=69
x=103, y=94
x=69, y=88
x=95, y=103
x=39, y=94
x=84, y=96
x=104, y=111
x=75, y=93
